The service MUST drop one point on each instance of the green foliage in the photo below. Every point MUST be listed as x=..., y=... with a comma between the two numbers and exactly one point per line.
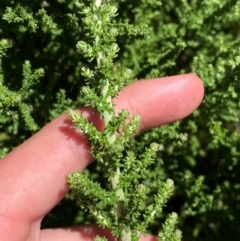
x=100, y=239
x=51, y=51
x=27, y=20
x=168, y=232
x=123, y=205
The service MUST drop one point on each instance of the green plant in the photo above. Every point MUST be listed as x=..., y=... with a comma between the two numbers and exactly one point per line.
x=123, y=205
x=201, y=153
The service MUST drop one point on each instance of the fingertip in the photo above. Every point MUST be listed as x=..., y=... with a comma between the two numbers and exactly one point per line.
x=162, y=100
x=198, y=87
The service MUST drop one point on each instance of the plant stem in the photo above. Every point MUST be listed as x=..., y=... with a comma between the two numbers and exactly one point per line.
x=107, y=116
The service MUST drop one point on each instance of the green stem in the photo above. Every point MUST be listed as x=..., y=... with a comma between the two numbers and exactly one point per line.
x=107, y=116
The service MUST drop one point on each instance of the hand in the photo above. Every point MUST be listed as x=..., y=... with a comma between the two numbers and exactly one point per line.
x=33, y=176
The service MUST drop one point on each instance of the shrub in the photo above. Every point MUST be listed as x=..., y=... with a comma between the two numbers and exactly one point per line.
x=51, y=51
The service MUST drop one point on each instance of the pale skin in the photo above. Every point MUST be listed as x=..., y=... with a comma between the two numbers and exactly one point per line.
x=33, y=176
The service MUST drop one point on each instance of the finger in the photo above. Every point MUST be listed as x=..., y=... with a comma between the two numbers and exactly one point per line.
x=84, y=233
x=162, y=100
x=33, y=176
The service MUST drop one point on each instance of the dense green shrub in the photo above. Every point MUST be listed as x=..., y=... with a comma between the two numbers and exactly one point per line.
x=41, y=76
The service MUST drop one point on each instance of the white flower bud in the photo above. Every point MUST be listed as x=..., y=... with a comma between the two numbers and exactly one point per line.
x=113, y=32
x=112, y=10
x=169, y=182
x=114, y=48
x=127, y=73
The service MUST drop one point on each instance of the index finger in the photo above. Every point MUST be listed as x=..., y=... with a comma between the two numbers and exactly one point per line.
x=33, y=177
